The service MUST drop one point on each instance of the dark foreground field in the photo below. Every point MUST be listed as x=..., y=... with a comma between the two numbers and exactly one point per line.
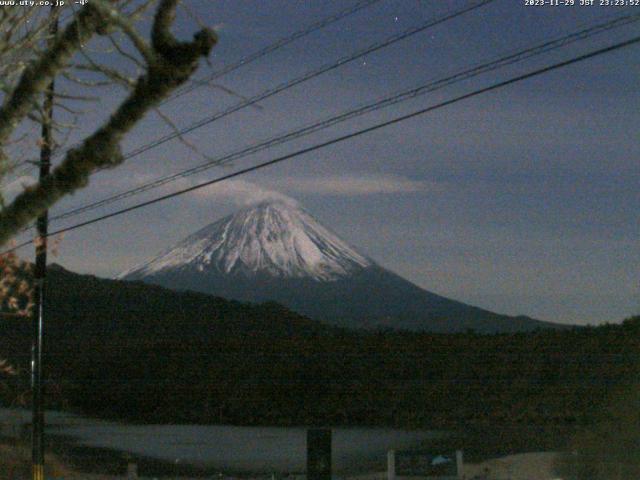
x=144, y=354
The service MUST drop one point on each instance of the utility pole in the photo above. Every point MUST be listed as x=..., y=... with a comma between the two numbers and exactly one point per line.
x=40, y=274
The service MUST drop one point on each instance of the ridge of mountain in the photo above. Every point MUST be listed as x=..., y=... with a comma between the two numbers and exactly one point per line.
x=272, y=237
x=276, y=251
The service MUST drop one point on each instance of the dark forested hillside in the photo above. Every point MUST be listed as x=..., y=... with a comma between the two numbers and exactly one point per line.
x=143, y=353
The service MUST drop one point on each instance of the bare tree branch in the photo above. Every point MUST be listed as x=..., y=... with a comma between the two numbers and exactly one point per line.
x=181, y=138
x=127, y=27
x=172, y=63
x=37, y=76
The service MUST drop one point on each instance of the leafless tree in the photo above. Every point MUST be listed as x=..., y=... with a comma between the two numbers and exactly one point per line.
x=80, y=57
x=30, y=61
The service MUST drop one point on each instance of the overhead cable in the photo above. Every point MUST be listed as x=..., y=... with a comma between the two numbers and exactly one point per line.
x=378, y=126
x=352, y=113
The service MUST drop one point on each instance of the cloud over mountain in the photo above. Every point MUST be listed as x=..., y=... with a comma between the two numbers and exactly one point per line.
x=276, y=251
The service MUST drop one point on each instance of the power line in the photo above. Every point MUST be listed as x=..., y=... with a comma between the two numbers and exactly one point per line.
x=278, y=44
x=349, y=136
x=252, y=57
x=306, y=77
x=382, y=103
x=309, y=76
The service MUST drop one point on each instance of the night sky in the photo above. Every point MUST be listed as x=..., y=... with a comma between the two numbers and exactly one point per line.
x=522, y=201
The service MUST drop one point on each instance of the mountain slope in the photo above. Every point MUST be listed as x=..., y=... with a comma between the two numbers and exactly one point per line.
x=271, y=238
x=277, y=251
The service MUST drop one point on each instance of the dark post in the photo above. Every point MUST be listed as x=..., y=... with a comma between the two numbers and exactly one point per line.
x=40, y=274
x=318, y=454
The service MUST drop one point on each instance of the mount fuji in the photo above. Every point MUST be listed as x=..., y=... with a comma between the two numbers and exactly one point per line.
x=276, y=251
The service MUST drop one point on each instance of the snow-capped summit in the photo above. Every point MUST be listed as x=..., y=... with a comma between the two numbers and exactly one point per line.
x=275, y=238
x=276, y=251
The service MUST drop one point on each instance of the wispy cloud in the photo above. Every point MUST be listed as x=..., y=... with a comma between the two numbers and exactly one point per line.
x=242, y=192
x=354, y=185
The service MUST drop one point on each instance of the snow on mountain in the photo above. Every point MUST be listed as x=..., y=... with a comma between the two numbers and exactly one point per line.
x=273, y=238
x=275, y=251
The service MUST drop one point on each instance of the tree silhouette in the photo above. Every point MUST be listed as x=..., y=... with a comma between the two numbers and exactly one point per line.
x=164, y=63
